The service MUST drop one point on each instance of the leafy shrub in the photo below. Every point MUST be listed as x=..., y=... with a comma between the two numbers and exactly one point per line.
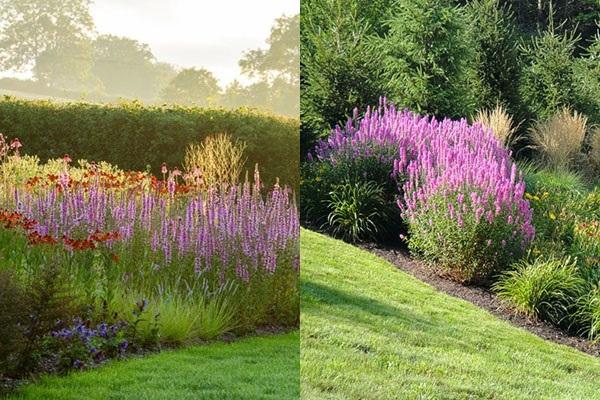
x=356, y=211
x=559, y=138
x=350, y=164
x=586, y=245
x=460, y=169
x=545, y=289
x=215, y=161
x=557, y=201
x=134, y=137
x=467, y=245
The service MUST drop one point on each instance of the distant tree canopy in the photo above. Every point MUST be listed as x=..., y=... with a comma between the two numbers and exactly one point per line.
x=192, y=86
x=128, y=67
x=56, y=41
x=282, y=58
x=28, y=28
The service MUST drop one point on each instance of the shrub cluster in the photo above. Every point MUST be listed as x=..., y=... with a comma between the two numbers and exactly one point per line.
x=139, y=137
x=459, y=191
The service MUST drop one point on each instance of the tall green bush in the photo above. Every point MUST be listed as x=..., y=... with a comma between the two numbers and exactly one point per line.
x=493, y=31
x=429, y=59
x=134, y=136
x=548, y=79
x=340, y=69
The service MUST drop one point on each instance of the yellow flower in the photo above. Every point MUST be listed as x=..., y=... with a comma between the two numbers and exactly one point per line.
x=552, y=215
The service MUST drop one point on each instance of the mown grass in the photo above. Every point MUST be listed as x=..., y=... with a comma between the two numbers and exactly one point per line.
x=369, y=331
x=254, y=368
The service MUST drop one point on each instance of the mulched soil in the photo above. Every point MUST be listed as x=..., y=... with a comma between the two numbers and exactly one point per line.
x=481, y=297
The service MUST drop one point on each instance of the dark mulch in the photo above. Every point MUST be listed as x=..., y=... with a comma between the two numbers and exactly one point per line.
x=481, y=297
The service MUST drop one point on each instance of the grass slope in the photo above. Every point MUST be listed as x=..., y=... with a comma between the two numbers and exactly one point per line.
x=254, y=368
x=369, y=331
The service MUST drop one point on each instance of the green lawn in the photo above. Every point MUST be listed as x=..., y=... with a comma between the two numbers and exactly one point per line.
x=369, y=331
x=254, y=368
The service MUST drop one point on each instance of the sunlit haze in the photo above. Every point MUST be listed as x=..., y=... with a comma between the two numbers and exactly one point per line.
x=209, y=34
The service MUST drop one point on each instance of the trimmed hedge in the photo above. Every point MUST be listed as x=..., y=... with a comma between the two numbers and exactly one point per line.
x=134, y=136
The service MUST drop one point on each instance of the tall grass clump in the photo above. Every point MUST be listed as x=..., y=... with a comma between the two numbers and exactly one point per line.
x=559, y=138
x=544, y=288
x=499, y=122
x=217, y=160
x=459, y=191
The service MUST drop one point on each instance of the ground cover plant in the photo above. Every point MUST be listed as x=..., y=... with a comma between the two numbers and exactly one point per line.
x=98, y=262
x=369, y=328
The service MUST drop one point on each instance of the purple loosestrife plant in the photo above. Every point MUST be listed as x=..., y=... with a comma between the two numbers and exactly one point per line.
x=230, y=235
x=460, y=193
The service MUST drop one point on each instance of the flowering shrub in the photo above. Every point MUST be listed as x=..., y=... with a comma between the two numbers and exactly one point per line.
x=461, y=194
x=339, y=162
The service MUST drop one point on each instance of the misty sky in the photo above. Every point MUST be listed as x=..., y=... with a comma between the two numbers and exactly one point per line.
x=210, y=34
x=200, y=33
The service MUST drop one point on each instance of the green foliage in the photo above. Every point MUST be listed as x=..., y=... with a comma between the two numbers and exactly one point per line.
x=341, y=70
x=544, y=288
x=429, y=59
x=356, y=211
x=30, y=28
x=588, y=313
x=557, y=201
x=471, y=250
x=134, y=137
x=494, y=33
x=321, y=181
x=13, y=314
x=587, y=74
x=548, y=80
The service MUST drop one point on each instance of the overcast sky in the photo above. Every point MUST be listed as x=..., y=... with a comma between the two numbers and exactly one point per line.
x=201, y=33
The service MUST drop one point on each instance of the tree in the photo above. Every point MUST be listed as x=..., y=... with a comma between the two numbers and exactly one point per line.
x=282, y=58
x=494, y=32
x=341, y=70
x=128, y=68
x=429, y=59
x=29, y=28
x=276, y=70
x=549, y=82
x=67, y=66
x=192, y=86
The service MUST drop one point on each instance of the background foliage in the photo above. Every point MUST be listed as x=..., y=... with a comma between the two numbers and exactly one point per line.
x=135, y=137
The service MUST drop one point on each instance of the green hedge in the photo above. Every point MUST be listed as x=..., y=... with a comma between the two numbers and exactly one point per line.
x=135, y=136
